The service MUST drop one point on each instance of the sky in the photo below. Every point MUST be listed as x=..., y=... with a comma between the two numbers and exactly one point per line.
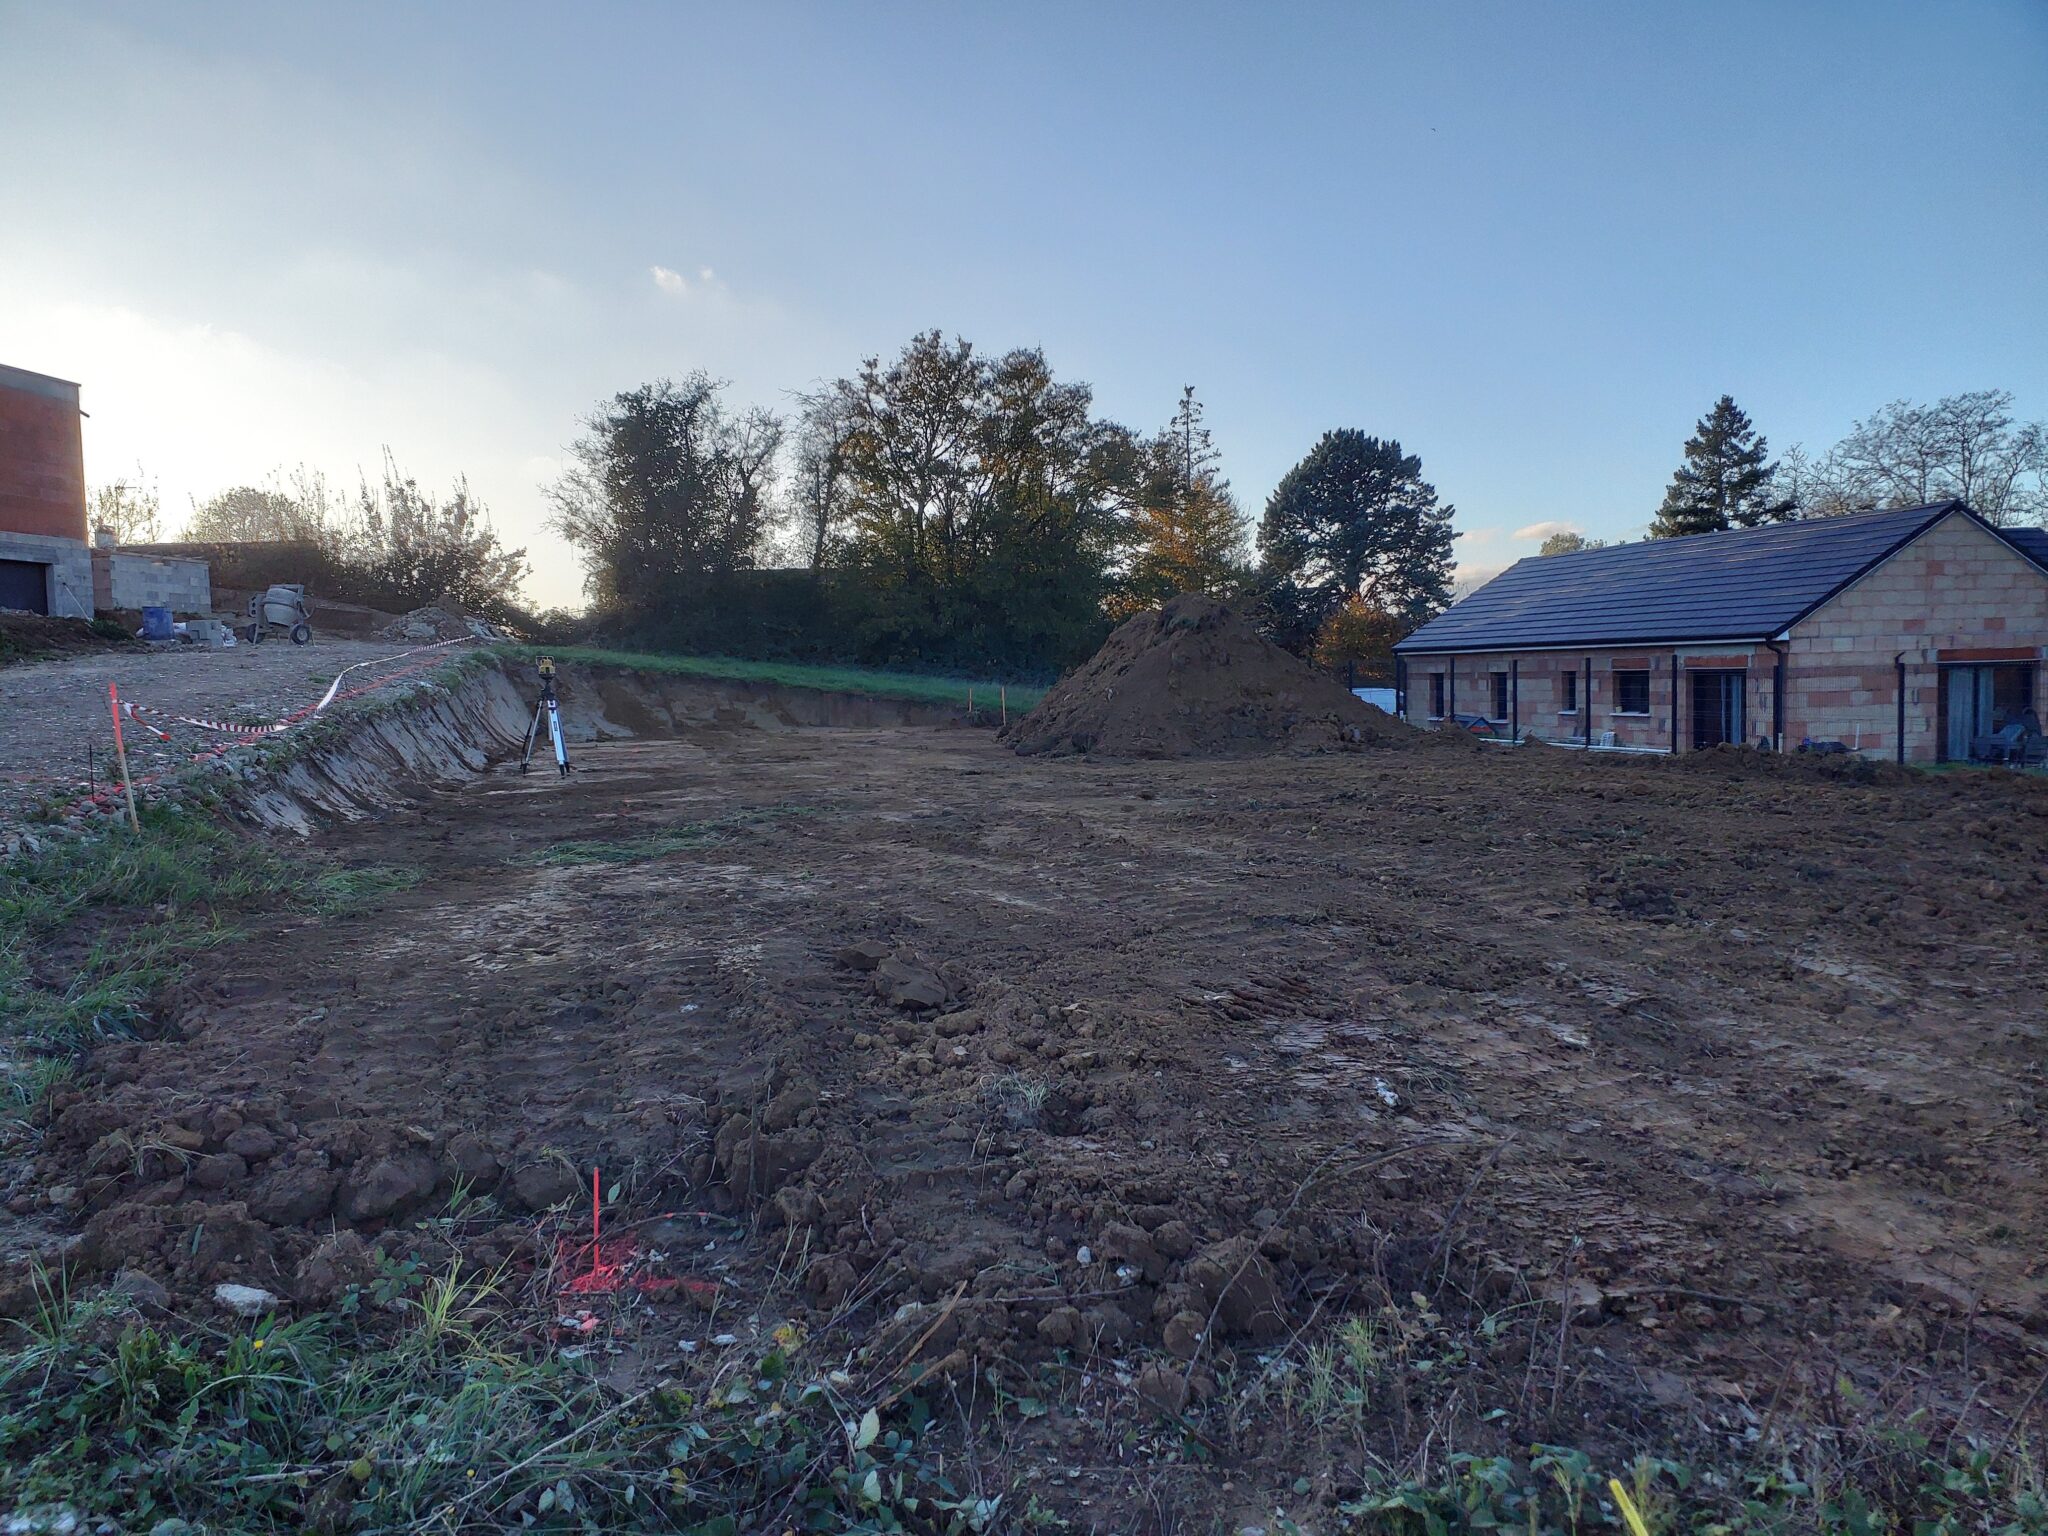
x=1531, y=242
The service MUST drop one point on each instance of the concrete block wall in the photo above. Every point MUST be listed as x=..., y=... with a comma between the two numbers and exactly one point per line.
x=69, y=581
x=137, y=581
x=1956, y=588
x=1538, y=676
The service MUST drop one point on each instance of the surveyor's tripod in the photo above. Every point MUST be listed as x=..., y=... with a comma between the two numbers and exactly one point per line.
x=550, y=707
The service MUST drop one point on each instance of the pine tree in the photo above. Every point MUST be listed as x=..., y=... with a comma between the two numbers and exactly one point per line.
x=1725, y=480
x=1354, y=518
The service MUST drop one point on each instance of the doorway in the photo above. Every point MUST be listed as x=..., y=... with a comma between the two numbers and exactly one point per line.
x=25, y=584
x=1717, y=704
x=1980, y=701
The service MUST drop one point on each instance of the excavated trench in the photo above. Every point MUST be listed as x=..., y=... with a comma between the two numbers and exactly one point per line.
x=367, y=763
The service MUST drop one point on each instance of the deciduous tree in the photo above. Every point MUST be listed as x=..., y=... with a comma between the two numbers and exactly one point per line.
x=1966, y=446
x=668, y=493
x=128, y=508
x=1186, y=529
x=300, y=508
x=420, y=547
x=982, y=505
x=1566, y=542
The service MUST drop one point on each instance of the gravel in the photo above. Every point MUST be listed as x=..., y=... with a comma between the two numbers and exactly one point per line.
x=51, y=712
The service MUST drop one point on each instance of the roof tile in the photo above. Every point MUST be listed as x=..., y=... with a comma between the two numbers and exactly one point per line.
x=1746, y=584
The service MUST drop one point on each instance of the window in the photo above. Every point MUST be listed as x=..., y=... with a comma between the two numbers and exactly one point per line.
x=1500, y=695
x=1570, y=706
x=1632, y=692
x=1436, y=695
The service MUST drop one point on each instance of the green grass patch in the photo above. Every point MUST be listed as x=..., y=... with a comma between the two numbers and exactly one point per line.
x=342, y=890
x=678, y=837
x=91, y=928
x=866, y=682
x=418, y=1407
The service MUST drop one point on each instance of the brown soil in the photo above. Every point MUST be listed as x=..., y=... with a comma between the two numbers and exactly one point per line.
x=1678, y=1099
x=1194, y=679
x=34, y=637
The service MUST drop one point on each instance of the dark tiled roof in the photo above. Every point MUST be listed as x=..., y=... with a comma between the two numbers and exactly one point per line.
x=2031, y=542
x=1742, y=585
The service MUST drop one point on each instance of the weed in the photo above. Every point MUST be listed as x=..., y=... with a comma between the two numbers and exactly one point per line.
x=435, y=1417
x=343, y=890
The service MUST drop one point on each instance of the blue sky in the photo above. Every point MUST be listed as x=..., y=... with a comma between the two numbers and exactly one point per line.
x=1533, y=242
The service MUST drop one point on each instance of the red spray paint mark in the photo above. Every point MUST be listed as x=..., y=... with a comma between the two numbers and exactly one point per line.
x=612, y=1263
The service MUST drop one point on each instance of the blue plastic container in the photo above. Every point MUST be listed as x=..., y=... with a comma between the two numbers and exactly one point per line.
x=156, y=624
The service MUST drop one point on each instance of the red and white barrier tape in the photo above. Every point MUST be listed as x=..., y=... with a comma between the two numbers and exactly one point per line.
x=142, y=713
x=243, y=735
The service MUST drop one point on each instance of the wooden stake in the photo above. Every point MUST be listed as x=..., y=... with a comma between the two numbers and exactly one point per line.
x=970, y=704
x=121, y=752
x=1003, y=694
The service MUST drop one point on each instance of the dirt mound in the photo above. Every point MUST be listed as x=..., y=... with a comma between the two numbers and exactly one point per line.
x=1195, y=680
x=33, y=637
x=1730, y=761
x=442, y=620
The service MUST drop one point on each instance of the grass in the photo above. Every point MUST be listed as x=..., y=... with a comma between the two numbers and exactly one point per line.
x=418, y=1406
x=341, y=890
x=93, y=927
x=867, y=682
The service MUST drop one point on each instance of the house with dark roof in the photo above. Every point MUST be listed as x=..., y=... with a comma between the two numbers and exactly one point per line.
x=1917, y=633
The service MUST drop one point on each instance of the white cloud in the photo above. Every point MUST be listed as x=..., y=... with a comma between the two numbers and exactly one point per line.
x=667, y=279
x=1545, y=530
x=706, y=275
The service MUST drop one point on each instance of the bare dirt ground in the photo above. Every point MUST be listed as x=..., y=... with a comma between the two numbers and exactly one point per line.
x=51, y=712
x=1660, y=1105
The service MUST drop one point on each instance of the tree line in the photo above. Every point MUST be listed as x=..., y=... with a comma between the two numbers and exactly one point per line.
x=947, y=507
x=951, y=508
x=1966, y=447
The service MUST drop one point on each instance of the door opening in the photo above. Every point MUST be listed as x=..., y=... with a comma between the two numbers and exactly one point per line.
x=1977, y=702
x=1717, y=705
x=25, y=584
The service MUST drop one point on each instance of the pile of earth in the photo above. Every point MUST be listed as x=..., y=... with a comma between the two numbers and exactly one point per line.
x=1195, y=680
x=36, y=637
x=440, y=620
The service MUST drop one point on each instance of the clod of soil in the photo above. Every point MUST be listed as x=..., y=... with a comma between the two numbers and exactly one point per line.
x=1195, y=680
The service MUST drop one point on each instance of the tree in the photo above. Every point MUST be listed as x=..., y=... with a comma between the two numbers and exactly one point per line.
x=1359, y=635
x=818, y=504
x=1724, y=482
x=128, y=509
x=1566, y=542
x=1966, y=447
x=420, y=548
x=668, y=494
x=1354, y=518
x=1186, y=529
x=982, y=505
x=301, y=509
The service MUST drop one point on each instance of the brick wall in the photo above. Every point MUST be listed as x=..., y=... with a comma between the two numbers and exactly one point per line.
x=1538, y=677
x=42, y=457
x=1956, y=587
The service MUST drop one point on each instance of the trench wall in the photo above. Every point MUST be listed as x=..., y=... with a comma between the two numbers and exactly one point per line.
x=364, y=762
